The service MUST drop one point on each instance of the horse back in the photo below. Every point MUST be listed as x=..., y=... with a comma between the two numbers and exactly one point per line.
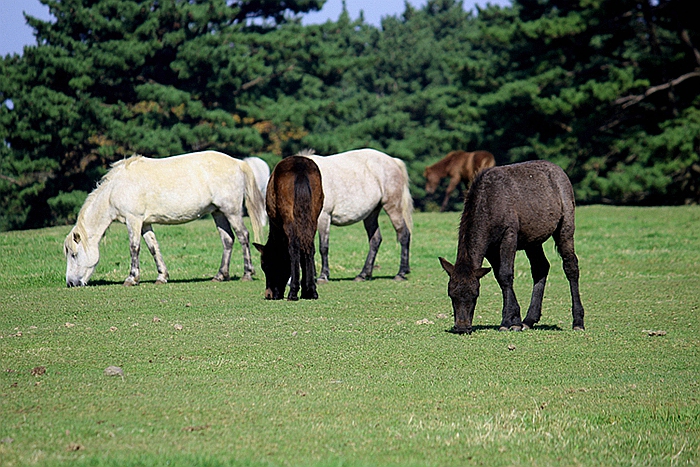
x=532, y=198
x=295, y=198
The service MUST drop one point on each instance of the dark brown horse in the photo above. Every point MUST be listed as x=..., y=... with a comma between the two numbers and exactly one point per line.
x=509, y=208
x=294, y=201
x=459, y=166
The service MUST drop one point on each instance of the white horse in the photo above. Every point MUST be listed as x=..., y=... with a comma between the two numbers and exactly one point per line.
x=139, y=191
x=261, y=171
x=262, y=176
x=357, y=185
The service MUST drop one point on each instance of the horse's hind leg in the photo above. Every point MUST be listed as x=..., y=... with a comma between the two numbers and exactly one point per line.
x=308, y=276
x=324, y=227
x=150, y=237
x=564, y=239
x=403, y=235
x=375, y=239
x=539, y=266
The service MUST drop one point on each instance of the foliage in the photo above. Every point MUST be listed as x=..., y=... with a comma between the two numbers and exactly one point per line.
x=608, y=89
x=366, y=375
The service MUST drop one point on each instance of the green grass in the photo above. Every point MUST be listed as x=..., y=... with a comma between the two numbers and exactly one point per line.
x=352, y=379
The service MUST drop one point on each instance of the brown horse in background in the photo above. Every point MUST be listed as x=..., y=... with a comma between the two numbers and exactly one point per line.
x=459, y=166
x=294, y=202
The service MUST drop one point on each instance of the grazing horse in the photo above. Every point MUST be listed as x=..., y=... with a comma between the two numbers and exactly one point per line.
x=459, y=166
x=509, y=208
x=357, y=185
x=139, y=191
x=294, y=202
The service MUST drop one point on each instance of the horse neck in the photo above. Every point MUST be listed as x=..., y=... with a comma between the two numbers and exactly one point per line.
x=473, y=242
x=96, y=214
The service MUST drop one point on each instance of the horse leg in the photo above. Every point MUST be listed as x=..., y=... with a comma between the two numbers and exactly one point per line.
x=236, y=222
x=294, y=256
x=375, y=239
x=505, y=258
x=539, y=266
x=324, y=227
x=308, y=273
x=133, y=226
x=226, y=234
x=454, y=183
x=565, y=241
x=150, y=237
x=404, y=237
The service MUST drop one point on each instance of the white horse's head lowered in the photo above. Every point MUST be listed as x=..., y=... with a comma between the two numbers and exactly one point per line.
x=81, y=257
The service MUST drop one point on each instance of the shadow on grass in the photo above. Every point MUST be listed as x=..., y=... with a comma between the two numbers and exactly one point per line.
x=489, y=327
x=352, y=279
x=101, y=282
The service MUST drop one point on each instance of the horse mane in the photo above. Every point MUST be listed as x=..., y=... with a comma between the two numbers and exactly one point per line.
x=306, y=152
x=115, y=168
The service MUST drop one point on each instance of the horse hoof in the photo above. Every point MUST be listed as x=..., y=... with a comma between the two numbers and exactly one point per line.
x=502, y=328
x=322, y=280
x=247, y=278
x=360, y=279
x=526, y=327
x=579, y=328
x=129, y=282
x=399, y=278
x=219, y=278
x=161, y=281
x=516, y=328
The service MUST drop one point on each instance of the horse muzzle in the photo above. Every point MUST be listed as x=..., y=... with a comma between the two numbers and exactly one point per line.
x=461, y=327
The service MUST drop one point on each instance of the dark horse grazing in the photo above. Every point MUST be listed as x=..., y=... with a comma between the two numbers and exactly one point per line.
x=509, y=208
x=294, y=201
x=459, y=166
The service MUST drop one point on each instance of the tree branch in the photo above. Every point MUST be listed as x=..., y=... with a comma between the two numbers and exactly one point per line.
x=631, y=100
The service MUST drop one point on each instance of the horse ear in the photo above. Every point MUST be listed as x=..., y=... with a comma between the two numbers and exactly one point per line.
x=481, y=272
x=447, y=266
x=259, y=247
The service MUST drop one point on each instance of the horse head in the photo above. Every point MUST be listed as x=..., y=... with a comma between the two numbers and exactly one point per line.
x=432, y=180
x=82, y=257
x=463, y=289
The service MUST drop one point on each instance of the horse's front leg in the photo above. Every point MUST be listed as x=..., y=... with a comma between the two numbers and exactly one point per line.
x=539, y=266
x=324, y=227
x=133, y=226
x=503, y=264
x=150, y=237
x=226, y=234
x=454, y=183
x=375, y=240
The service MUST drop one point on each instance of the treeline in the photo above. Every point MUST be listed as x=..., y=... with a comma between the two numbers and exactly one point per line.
x=607, y=89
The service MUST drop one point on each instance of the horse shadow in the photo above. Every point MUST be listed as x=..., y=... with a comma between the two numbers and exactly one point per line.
x=495, y=327
x=352, y=279
x=103, y=282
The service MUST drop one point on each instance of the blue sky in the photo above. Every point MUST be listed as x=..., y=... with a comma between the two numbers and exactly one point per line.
x=15, y=34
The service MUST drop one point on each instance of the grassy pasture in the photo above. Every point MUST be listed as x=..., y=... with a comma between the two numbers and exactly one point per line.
x=352, y=379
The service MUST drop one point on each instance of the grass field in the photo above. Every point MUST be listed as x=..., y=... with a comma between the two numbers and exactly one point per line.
x=215, y=375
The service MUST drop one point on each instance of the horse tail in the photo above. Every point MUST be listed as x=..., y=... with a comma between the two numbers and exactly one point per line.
x=302, y=212
x=254, y=202
x=406, y=199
